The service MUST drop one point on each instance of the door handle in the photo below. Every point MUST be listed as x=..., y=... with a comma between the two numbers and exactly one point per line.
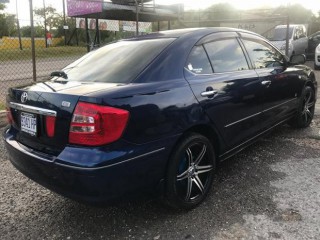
x=209, y=93
x=266, y=83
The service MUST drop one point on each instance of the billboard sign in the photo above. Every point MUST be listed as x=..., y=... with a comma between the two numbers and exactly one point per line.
x=130, y=26
x=104, y=24
x=82, y=7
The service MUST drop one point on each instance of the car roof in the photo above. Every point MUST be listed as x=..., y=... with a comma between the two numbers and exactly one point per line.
x=190, y=32
x=290, y=26
x=313, y=34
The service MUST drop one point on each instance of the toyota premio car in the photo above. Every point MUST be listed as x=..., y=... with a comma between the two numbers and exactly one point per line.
x=156, y=112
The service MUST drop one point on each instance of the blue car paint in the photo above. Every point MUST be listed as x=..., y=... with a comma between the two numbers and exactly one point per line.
x=164, y=102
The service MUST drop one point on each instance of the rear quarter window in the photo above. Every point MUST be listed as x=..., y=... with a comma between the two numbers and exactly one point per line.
x=118, y=62
x=198, y=61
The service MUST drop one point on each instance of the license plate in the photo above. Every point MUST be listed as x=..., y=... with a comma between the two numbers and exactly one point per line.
x=29, y=123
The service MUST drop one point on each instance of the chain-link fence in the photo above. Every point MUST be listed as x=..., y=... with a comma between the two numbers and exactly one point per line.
x=16, y=64
x=53, y=51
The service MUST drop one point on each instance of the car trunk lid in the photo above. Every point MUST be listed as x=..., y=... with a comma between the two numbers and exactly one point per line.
x=42, y=112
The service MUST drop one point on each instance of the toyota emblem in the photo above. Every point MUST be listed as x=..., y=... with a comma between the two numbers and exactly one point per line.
x=24, y=97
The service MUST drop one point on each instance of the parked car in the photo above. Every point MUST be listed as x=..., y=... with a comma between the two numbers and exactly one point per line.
x=313, y=42
x=156, y=112
x=317, y=58
x=298, y=41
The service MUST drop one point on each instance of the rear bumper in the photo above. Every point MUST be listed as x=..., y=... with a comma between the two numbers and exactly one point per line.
x=99, y=175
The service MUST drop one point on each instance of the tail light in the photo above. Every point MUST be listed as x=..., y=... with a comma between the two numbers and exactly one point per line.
x=95, y=125
x=9, y=116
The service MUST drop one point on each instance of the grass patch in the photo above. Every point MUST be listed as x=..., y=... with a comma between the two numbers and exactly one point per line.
x=25, y=54
x=2, y=106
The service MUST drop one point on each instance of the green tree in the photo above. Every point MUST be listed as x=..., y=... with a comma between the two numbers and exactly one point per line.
x=53, y=19
x=7, y=23
x=210, y=17
x=221, y=11
x=26, y=31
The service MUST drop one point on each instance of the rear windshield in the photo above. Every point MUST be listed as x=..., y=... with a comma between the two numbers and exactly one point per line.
x=118, y=62
x=280, y=34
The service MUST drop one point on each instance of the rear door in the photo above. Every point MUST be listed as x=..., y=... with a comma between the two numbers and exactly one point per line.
x=226, y=86
x=280, y=87
x=300, y=40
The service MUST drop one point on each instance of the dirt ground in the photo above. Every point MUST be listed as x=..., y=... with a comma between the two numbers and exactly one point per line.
x=271, y=190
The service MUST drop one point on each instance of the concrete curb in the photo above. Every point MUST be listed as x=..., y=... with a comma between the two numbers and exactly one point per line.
x=3, y=118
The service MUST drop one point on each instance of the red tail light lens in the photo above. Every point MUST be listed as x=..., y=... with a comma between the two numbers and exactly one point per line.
x=50, y=125
x=95, y=125
x=9, y=116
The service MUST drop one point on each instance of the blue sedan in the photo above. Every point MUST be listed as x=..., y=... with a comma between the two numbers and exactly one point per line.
x=155, y=113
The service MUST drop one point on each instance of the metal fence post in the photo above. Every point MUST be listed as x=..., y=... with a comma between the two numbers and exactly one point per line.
x=34, y=71
x=18, y=26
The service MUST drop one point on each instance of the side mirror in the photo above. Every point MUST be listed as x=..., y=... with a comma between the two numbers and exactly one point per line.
x=298, y=59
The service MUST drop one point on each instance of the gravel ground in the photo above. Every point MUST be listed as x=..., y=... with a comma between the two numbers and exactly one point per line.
x=271, y=190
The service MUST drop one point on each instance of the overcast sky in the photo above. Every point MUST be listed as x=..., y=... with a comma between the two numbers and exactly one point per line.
x=23, y=5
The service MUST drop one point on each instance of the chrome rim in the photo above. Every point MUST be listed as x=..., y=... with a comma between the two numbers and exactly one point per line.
x=194, y=172
x=307, y=112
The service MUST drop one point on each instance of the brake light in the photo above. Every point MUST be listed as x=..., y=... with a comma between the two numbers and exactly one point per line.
x=95, y=125
x=9, y=115
x=50, y=125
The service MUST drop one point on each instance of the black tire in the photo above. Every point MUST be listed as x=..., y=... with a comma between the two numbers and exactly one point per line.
x=305, y=110
x=190, y=172
x=316, y=67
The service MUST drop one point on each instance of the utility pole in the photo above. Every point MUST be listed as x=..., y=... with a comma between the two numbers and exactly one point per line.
x=287, y=33
x=33, y=49
x=137, y=18
x=18, y=26
x=45, y=24
x=64, y=22
x=87, y=36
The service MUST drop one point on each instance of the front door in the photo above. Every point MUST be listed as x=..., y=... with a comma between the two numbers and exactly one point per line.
x=278, y=85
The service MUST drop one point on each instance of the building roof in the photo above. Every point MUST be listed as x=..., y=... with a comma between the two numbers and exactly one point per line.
x=127, y=12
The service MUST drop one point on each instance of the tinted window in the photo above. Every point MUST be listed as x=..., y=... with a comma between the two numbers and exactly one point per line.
x=263, y=55
x=198, y=61
x=226, y=56
x=280, y=34
x=118, y=62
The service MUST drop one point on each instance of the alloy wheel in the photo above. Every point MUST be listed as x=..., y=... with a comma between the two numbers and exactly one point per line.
x=194, y=172
x=308, y=107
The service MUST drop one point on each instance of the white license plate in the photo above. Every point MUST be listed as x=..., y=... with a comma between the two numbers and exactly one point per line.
x=29, y=123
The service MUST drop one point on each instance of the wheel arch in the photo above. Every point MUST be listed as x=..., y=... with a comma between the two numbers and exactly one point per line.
x=205, y=130
x=311, y=79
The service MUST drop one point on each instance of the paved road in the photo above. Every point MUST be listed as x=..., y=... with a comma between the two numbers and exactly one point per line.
x=271, y=190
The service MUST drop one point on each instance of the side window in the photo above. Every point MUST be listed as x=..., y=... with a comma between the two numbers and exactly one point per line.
x=304, y=32
x=198, y=61
x=263, y=55
x=226, y=56
x=299, y=32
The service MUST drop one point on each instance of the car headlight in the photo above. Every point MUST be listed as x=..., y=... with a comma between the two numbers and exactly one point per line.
x=318, y=48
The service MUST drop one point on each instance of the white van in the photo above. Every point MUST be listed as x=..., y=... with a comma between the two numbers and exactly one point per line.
x=298, y=41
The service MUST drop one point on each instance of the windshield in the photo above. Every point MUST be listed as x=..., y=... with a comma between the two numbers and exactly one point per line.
x=280, y=34
x=118, y=62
